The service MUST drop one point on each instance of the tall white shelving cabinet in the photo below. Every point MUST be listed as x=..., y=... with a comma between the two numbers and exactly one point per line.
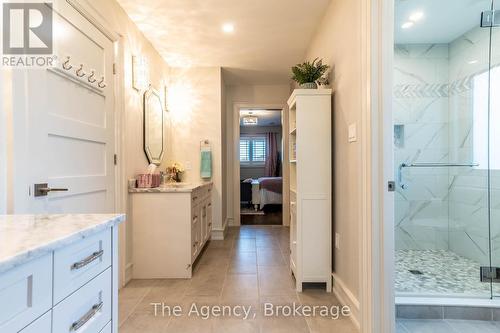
x=310, y=119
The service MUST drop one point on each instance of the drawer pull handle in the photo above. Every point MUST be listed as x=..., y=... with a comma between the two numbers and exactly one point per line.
x=209, y=205
x=88, y=260
x=86, y=317
x=210, y=224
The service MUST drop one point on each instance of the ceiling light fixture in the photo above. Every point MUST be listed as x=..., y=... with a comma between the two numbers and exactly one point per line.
x=407, y=25
x=417, y=16
x=472, y=62
x=228, y=28
x=250, y=120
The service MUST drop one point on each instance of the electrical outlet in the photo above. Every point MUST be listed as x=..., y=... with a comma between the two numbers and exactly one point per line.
x=337, y=241
x=188, y=166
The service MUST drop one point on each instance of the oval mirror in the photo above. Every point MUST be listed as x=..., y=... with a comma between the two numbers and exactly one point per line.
x=153, y=126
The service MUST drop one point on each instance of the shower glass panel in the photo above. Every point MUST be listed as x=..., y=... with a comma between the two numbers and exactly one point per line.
x=444, y=168
x=494, y=145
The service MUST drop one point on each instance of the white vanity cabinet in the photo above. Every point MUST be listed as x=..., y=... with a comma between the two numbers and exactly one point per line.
x=68, y=284
x=170, y=228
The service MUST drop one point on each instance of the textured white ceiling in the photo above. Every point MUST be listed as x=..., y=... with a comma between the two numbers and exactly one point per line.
x=443, y=21
x=270, y=35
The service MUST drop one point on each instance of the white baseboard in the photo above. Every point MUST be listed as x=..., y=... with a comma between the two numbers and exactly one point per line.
x=217, y=234
x=231, y=222
x=128, y=273
x=346, y=297
x=220, y=234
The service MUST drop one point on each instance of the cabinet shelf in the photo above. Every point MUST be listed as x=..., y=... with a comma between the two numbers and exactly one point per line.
x=310, y=215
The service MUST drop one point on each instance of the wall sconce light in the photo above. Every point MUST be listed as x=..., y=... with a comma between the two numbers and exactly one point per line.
x=140, y=73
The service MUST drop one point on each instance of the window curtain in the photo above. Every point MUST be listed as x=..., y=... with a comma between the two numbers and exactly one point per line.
x=272, y=156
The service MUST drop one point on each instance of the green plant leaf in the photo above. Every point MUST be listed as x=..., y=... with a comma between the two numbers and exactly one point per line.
x=309, y=71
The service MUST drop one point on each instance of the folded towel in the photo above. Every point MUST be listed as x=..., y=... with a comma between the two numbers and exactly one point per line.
x=206, y=164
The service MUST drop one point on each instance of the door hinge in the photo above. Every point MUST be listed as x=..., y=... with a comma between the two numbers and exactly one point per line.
x=490, y=19
x=114, y=68
x=115, y=159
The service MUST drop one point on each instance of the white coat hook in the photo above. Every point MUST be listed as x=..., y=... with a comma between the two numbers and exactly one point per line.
x=101, y=83
x=91, y=77
x=80, y=72
x=66, y=65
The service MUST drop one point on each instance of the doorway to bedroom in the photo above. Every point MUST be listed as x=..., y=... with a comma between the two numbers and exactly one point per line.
x=260, y=164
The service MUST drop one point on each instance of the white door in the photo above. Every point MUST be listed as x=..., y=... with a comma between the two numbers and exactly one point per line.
x=69, y=121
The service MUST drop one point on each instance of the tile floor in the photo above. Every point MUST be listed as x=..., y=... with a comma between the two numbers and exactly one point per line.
x=446, y=326
x=250, y=268
x=444, y=273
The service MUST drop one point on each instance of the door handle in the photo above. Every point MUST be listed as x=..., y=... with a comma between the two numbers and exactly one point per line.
x=43, y=189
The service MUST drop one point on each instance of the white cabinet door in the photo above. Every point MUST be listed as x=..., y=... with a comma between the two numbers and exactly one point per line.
x=65, y=123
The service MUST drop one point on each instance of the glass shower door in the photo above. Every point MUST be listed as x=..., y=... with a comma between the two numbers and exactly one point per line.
x=494, y=149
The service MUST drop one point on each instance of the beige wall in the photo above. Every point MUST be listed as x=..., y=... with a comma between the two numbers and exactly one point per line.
x=195, y=103
x=338, y=42
x=244, y=94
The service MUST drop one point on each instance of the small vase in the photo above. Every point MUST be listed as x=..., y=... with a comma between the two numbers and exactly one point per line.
x=309, y=85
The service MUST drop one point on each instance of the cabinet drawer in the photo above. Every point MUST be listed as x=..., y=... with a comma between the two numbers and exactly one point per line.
x=87, y=310
x=25, y=293
x=41, y=325
x=77, y=264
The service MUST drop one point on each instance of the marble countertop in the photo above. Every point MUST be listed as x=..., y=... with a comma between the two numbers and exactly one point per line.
x=25, y=237
x=182, y=188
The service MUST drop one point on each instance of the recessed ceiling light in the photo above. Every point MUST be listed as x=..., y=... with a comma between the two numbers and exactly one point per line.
x=472, y=62
x=417, y=16
x=407, y=25
x=228, y=28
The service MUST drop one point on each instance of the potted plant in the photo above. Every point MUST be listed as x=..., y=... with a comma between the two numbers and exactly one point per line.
x=307, y=73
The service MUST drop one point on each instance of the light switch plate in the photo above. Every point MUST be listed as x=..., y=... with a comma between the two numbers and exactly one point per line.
x=188, y=166
x=352, y=133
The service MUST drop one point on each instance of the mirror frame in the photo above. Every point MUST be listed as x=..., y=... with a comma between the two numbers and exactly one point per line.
x=152, y=93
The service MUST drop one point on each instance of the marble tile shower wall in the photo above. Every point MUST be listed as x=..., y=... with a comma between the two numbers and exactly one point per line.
x=421, y=115
x=443, y=208
x=468, y=201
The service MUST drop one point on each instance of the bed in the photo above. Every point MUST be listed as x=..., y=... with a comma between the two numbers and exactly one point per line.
x=267, y=191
